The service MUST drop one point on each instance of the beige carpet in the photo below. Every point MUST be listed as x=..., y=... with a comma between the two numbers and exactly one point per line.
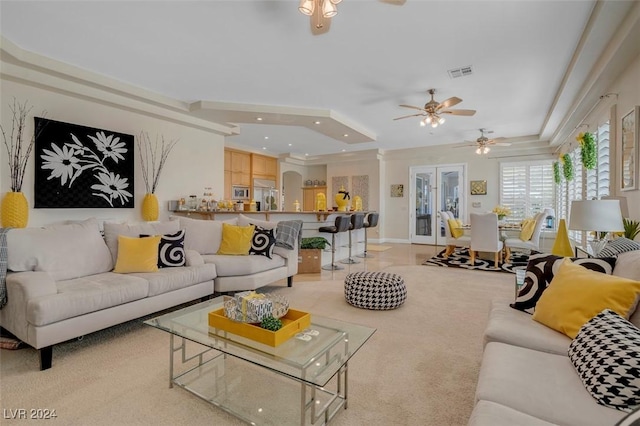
x=419, y=368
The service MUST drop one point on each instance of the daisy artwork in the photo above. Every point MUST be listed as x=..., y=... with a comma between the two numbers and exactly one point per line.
x=82, y=167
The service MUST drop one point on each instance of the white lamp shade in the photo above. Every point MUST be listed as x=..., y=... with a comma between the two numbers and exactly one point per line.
x=596, y=215
x=329, y=10
x=624, y=208
x=306, y=7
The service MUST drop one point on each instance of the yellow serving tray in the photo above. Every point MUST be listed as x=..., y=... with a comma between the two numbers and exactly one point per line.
x=292, y=323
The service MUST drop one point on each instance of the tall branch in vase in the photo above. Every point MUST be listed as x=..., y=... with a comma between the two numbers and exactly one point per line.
x=153, y=157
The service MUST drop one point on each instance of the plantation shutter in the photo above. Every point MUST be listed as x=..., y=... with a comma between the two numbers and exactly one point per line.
x=526, y=188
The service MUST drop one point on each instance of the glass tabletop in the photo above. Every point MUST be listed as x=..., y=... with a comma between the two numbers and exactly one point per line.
x=315, y=360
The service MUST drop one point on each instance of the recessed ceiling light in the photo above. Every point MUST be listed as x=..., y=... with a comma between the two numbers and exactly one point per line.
x=259, y=118
x=290, y=144
x=316, y=122
x=306, y=155
x=266, y=137
x=346, y=135
x=343, y=150
x=264, y=147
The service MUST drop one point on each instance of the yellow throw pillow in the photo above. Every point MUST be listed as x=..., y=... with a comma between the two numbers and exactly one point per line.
x=455, y=226
x=137, y=254
x=236, y=240
x=577, y=294
x=527, y=228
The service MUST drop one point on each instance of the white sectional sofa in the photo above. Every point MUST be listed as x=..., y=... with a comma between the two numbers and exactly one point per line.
x=526, y=376
x=60, y=282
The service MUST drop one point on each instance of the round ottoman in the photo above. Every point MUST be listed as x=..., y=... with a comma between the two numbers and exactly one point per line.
x=375, y=290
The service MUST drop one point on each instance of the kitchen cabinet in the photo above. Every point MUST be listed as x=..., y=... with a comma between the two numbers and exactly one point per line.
x=309, y=197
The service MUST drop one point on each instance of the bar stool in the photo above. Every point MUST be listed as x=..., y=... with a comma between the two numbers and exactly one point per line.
x=341, y=225
x=357, y=220
x=370, y=222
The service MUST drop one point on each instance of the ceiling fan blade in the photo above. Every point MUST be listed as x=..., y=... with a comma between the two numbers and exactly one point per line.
x=467, y=112
x=412, y=107
x=407, y=116
x=449, y=102
x=318, y=23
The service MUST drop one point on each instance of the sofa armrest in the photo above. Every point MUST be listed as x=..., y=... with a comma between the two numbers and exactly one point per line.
x=193, y=258
x=21, y=288
x=290, y=258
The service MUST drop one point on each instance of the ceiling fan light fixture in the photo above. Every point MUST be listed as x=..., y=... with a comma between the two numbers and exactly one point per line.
x=478, y=151
x=423, y=122
x=335, y=1
x=427, y=120
x=329, y=10
x=486, y=150
x=441, y=120
x=434, y=123
x=306, y=7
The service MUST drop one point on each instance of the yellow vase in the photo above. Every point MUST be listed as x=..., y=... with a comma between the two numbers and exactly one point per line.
x=321, y=202
x=15, y=210
x=562, y=245
x=150, y=210
x=342, y=199
x=357, y=203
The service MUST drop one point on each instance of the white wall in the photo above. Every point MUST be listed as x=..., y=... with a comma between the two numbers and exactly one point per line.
x=196, y=162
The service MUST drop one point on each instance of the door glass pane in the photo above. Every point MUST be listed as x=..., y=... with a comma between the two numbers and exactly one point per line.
x=423, y=204
x=449, y=189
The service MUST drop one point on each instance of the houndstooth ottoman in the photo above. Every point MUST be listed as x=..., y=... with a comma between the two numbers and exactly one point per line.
x=374, y=290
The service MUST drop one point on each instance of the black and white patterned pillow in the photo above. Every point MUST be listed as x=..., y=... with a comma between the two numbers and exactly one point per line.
x=617, y=246
x=263, y=241
x=540, y=271
x=606, y=355
x=171, y=250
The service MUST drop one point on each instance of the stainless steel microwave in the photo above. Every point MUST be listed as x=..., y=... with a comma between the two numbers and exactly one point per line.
x=239, y=192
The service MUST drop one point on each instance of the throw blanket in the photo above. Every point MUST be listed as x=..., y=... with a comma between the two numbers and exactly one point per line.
x=3, y=266
x=287, y=231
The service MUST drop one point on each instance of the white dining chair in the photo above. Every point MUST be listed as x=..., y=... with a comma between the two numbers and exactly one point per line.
x=485, y=236
x=452, y=242
x=532, y=243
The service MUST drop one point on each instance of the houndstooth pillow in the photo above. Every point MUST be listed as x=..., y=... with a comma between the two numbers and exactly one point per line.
x=606, y=355
x=540, y=271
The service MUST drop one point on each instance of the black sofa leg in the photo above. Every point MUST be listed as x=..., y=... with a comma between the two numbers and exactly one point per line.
x=46, y=356
x=290, y=281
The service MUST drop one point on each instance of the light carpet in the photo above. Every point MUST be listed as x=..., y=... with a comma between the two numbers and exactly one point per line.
x=419, y=368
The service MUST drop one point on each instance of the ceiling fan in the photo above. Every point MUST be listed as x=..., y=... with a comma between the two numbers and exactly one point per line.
x=432, y=110
x=483, y=144
x=321, y=12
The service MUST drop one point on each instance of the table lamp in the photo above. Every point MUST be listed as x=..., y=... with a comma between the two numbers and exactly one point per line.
x=601, y=216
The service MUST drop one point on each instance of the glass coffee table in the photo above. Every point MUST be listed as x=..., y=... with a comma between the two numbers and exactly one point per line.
x=304, y=380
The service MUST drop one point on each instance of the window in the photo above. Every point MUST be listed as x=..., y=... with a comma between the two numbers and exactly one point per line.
x=587, y=184
x=527, y=188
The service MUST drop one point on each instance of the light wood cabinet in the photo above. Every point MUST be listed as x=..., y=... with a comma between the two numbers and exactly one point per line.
x=238, y=164
x=264, y=167
x=309, y=197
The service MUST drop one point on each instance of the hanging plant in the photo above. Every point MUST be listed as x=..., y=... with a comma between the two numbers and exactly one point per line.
x=556, y=172
x=567, y=167
x=588, y=153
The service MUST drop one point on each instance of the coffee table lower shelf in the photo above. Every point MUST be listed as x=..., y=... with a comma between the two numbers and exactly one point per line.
x=254, y=394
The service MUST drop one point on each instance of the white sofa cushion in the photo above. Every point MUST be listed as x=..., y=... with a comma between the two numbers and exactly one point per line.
x=134, y=230
x=87, y=294
x=169, y=279
x=231, y=266
x=63, y=251
x=487, y=413
x=539, y=384
x=628, y=265
x=203, y=236
x=508, y=325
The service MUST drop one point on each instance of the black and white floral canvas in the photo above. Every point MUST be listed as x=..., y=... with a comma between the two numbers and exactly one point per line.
x=82, y=167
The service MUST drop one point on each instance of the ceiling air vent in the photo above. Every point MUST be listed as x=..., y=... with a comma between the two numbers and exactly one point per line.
x=460, y=72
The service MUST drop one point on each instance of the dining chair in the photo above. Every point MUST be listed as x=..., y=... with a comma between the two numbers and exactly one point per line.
x=532, y=243
x=485, y=236
x=452, y=241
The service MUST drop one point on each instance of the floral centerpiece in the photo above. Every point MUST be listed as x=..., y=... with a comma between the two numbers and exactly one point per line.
x=501, y=211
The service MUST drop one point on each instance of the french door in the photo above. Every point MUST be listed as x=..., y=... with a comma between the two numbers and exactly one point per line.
x=434, y=189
